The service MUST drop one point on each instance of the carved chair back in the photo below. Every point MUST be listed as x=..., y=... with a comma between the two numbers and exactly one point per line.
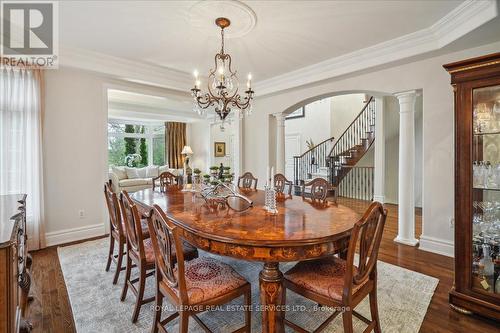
x=167, y=181
x=133, y=228
x=115, y=216
x=319, y=189
x=367, y=234
x=246, y=181
x=166, y=240
x=280, y=182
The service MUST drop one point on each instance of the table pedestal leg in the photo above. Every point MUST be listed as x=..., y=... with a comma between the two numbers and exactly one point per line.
x=272, y=298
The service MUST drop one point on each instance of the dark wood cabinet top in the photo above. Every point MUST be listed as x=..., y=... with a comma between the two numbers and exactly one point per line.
x=10, y=206
x=298, y=221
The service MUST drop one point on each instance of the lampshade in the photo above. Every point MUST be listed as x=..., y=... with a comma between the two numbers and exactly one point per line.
x=187, y=150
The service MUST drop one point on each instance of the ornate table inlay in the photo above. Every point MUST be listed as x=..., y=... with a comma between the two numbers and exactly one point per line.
x=301, y=230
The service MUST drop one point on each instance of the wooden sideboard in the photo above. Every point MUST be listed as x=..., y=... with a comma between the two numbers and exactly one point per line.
x=15, y=279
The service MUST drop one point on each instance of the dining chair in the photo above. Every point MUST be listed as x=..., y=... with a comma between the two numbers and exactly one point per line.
x=194, y=286
x=117, y=231
x=280, y=183
x=246, y=181
x=140, y=254
x=339, y=283
x=318, y=189
x=166, y=181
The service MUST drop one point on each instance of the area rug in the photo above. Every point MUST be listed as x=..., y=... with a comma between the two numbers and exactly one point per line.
x=403, y=298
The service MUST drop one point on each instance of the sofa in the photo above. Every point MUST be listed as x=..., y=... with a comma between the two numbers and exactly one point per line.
x=136, y=179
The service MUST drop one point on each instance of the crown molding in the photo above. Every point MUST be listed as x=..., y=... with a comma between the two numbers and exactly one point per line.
x=466, y=17
x=118, y=109
x=125, y=69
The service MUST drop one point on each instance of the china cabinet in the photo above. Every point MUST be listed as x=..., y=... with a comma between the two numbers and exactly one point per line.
x=476, y=84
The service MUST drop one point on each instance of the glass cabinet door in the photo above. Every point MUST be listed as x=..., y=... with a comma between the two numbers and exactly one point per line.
x=486, y=190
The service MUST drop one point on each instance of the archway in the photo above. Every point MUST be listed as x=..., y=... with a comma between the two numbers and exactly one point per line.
x=385, y=189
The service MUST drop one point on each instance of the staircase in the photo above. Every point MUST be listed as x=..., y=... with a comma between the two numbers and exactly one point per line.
x=334, y=160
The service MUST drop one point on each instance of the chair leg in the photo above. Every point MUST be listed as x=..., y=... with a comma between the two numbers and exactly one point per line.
x=127, y=278
x=140, y=292
x=374, y=309
x=347, y=319
x=157, y=315
x=111, y=250
x=119, y=262
x=248, y=312
x=183, y=321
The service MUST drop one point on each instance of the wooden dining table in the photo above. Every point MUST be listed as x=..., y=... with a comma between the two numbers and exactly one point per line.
x=301, y=230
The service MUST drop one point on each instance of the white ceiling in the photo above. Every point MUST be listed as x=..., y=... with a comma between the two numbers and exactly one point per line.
x=286, y=36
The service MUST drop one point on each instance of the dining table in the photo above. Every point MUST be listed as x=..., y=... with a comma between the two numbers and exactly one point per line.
x=299, y=230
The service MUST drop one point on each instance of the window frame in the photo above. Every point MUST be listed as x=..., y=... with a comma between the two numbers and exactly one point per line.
x=149, y=134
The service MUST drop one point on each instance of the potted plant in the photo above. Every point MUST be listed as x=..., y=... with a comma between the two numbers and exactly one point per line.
x=206, y=179
x=214, y=170
x=196, y=173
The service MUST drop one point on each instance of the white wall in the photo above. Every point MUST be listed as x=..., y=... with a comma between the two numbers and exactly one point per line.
x=438, y=157
x=75, y=151
x=218, y=135
x=75, y=154
x=315, y=125
x=199, y=139
x=391, y=128
x=344, y=109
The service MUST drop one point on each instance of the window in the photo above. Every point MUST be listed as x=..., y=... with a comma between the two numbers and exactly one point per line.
x=135, y=144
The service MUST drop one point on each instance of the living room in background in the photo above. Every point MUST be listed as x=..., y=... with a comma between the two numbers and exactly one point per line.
x=135, y=144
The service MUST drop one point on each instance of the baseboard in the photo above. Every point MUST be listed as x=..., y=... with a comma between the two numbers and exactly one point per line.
x=74, y=234
x=437, y=245
x=379, y=198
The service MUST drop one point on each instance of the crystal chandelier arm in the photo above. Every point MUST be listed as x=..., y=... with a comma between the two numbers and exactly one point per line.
x=237, y=102
x=205, y=101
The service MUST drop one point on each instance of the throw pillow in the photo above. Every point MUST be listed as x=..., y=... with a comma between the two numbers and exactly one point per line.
x=132, y=173
x=119, y=172
x=152, y=171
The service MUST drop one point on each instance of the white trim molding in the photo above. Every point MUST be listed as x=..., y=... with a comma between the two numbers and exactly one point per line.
x=437, y=245
x=74, y=234
x=124, y=69
x=463, y=19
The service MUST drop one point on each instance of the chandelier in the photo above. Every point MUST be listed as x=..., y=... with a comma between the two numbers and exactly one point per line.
x=223, y=85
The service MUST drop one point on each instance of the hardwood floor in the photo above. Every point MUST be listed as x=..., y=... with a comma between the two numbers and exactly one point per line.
x=51, y=312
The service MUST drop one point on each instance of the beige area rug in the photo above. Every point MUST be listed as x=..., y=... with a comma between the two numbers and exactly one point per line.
x=403, y=297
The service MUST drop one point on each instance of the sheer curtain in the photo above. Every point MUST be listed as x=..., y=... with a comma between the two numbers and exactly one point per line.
x=21, y=168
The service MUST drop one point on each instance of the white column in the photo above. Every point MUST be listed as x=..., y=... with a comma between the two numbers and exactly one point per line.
x=406, y=181
x=379, y=160
x=280, y=142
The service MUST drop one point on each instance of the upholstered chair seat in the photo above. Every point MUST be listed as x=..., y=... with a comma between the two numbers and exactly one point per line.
x=324, y=276
x=338, y=282
x=208, y=278
x=192, y=286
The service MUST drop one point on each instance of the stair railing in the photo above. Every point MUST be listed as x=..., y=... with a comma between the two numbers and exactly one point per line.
x=312, y=161
x=357, y=183
x=356, y=131
x=360, y=132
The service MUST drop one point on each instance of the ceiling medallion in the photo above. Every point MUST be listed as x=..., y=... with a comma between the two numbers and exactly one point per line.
x=223, y=85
